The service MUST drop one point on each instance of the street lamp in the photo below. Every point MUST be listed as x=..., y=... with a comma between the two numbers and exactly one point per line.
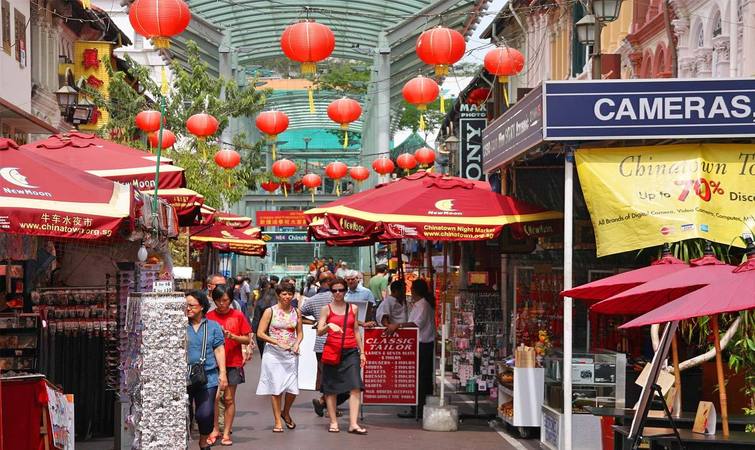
x=73, y=109
x=589, y=27
x=452, y=144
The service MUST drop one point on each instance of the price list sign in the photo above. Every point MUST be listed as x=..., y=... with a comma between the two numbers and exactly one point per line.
x=390, y=374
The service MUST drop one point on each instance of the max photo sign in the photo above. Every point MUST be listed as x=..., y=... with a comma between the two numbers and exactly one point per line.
x=472, y=120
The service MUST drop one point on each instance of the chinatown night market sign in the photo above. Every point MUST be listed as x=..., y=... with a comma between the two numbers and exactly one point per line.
x=644, y=196
x=390, y=373
x=647, y=109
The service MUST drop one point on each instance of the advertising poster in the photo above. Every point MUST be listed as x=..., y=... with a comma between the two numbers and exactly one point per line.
x=390, y=374
x=640, y=197
x=61, y=418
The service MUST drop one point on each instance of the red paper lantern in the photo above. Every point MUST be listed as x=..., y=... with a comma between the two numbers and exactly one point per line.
x=383, y=166
x=336, y=170
x=202, y=125
x=441, y=47
x=359, y=173
x=406, y=161
x=227, y=158
x=311, y=181
x=169, y=139
x=148, y=121
x=272, y=123
x=283, y=169
x=425, y=156
x=308, y=42
x=478, y=96
x=270, y=186
x=504, y=62
x=159, y=19
x=344, y=111
x=420, y=91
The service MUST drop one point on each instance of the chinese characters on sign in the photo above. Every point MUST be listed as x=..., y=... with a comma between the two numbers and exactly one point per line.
x=390, y=374
x=281, y=219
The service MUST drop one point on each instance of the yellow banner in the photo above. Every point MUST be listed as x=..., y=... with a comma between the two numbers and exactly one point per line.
x=640, y=197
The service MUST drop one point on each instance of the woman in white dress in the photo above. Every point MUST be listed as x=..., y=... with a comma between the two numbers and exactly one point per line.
x=281, y=328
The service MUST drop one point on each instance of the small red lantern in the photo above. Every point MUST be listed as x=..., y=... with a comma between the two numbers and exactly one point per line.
x=169, y=139
x=270, y=186
x=202, y=125
x=308, y=42
x=359, y=173
x=272, y=123
x=336, y=170
x=383, y=166
x=425, y=156
x=344, y=111
x=504, y=62
x=159, y=19
x=283, y=169
x=227, y=158
x=421, y=91
x=441, y=47
x=312, y=181
x=478, y=96
x=148, y=121
x=406, y=161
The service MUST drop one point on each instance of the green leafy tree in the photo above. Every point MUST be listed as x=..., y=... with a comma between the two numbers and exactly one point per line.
x=194, y=90
x=351, y=78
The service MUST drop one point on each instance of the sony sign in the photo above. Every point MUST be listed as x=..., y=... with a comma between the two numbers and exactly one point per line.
x=472, y=120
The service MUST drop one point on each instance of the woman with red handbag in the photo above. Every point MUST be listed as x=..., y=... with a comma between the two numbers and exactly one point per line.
x=343, y=356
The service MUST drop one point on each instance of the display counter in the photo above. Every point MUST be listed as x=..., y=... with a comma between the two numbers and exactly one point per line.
x=520, y=397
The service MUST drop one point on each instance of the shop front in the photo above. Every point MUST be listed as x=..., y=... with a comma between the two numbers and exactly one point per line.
x=642, y=148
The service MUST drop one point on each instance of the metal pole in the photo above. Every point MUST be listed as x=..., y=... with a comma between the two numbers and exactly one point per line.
x=596, y=67
x=443, y=290
x=568, y=242
x=155, y=221
x=383, y=99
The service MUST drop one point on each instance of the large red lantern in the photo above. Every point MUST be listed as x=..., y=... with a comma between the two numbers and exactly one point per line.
x=344, y=111
x=335, y=171
x=383, y=166
x=308, y=42
x=425, y=156
x=421, y=91
x=227, y=158
x=478, y=96
x=148, y=121
x=202, y=125
x=406, y=161
x=272, y=123
x=283, y=169
x=504, y=62
x=312, y=181
x=169, y=139
x=159, y=19
x=359, y=173
x=270, y=186
x=441, y=47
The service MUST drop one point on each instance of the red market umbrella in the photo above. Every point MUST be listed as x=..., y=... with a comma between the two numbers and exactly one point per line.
x=210, y=215
x=186, y=202
x=428, y=206
x=657, y=292
x=733, y=291
x=228, y=239
x=43, y=197
x=109, y=160
x=616, y=284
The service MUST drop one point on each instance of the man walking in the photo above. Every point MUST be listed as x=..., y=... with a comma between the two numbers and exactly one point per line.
x=379, y=283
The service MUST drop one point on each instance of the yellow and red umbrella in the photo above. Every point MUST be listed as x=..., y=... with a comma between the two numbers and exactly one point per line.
x=227, y=239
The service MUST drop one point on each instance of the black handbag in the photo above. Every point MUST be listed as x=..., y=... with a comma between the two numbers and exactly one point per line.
x=197, y=374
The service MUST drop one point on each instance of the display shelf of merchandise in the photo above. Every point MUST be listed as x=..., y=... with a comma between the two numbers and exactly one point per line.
x=537, y=316
x=598, y=379
x=19, y=343
x=519, y=402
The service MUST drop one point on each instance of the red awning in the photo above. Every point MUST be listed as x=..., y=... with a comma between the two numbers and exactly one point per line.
x=211, y=215
x=227, y=239
x=39, y=196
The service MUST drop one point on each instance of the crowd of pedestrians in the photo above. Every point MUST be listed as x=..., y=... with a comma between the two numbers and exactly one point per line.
x=224, y=332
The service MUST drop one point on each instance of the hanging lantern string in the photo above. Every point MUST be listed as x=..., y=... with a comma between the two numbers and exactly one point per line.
x=285, y=191
x=345, y=138
x=504, y=85
x=421, y=120
x=311, y=95
x=442, y=104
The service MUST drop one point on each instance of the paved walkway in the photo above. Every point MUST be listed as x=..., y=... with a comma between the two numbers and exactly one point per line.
x=253, y=428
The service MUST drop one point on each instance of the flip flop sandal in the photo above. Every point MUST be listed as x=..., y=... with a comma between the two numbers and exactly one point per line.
x=360, y=431
x=334, y=430
x=278, y=430
x=290, y=424
x=211, y=440
x=226, y=442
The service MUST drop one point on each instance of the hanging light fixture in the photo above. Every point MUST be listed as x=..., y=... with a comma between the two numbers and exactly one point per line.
x=586, y=30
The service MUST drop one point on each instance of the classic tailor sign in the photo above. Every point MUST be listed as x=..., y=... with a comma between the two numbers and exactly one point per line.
x=646, y=109
x=644, y=196
x=472, y=120
x=390, y=374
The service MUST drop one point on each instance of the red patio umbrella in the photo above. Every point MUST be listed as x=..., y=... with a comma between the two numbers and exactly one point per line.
x=227, y=239
x=429, y=206
x=733, y=291
x=186, y=202
x=210, y=215
x=43, y=197
x=616, y=284
x=109, y=160
x=657, y=292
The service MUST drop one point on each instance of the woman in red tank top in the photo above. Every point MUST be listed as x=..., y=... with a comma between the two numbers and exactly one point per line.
x=346, y=376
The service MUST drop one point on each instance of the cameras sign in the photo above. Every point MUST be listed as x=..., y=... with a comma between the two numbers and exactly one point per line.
x=472, y=120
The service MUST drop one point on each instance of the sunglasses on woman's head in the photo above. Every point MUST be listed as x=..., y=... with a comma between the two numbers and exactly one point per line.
x=338, y=290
